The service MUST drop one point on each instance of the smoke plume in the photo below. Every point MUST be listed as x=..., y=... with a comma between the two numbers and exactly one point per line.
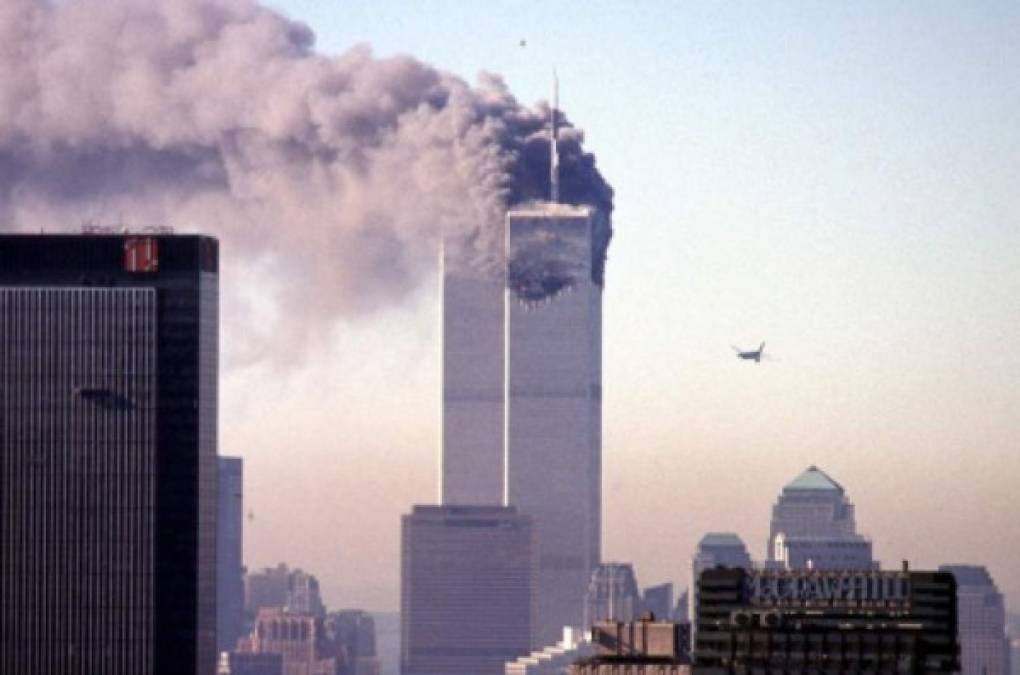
x=337, y=174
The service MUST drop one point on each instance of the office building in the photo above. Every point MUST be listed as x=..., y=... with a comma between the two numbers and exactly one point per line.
x=682, y=611
x=984, y=647
x=229, y=550
x=472, y=467
x=554, y=659
x=108, y=374
x=467, y=595
x=636, y=648
x=242, y=663
x=293, y=635
x=659, y=601
x=716, y=549
x=554, y=399
x=720, y=549
x=812, y=505
x=793, y=622
x=284, y=588
x=612, y=595
x=350, y=635
x=849, y=552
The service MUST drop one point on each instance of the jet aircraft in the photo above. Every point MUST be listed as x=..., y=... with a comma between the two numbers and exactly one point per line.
x=750, y=355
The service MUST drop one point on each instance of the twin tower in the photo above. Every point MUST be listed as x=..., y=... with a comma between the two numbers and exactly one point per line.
x=522, y=395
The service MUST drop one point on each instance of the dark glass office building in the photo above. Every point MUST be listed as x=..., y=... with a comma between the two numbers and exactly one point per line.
x=229, y=549
x=108, y=403
x=818, y=622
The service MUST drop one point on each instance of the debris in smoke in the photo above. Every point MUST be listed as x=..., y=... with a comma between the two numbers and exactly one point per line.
x=338, y=173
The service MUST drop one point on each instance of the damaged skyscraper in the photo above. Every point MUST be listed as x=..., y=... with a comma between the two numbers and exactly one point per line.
x=522, y=402
x=522, y=395
x=554, y=399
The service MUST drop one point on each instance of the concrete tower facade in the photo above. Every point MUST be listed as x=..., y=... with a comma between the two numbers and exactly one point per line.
x=553, y=380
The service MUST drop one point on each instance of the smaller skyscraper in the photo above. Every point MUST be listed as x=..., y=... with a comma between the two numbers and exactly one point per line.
x=467, y=595
x=984, y=647
x=811, y=505
x=659, y=601
x=351, y=633
x=612, y=594
x=282, y=588
x=717, y=549
x=813, y=527
x=295, y=636
x=229, y=548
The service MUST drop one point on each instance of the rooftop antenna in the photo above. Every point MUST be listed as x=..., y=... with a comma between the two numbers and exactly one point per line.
x=554, y=155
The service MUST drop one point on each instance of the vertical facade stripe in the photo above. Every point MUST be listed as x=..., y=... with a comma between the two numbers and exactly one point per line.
x=77, y=495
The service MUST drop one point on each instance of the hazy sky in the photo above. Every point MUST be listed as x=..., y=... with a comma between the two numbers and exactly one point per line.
x=840, y=181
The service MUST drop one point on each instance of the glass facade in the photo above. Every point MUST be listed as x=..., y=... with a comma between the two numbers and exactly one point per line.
x=108, y=379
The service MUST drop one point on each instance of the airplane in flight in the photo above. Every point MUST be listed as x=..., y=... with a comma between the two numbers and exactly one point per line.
x=750, y=355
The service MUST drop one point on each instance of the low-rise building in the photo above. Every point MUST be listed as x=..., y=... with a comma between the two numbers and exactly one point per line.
x=645, y=647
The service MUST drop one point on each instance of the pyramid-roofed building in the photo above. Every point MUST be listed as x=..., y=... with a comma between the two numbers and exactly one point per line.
x=813, y=526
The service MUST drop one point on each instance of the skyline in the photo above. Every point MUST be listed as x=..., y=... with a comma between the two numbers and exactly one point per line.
x=761, y=215
x=835, y=181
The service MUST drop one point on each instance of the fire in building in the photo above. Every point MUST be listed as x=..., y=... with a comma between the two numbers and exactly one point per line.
x=825, y=621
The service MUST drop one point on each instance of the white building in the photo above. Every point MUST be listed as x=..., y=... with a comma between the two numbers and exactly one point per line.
x=984, y=648
x=556, y=659
x=553, y=383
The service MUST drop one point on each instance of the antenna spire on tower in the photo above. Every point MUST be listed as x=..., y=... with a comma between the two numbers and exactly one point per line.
x=554, y=154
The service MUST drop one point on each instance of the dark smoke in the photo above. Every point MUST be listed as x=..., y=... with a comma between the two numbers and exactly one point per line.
x=339, y=174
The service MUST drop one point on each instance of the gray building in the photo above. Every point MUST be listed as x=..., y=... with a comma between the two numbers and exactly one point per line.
x=554, y=399
x=659, y=601
x=229, y=551
x=282, y=588
x=108, y=406
x=984, y=647
x=467, y=595
x=612, y=595
x=351, y=633
x=717, y=549
x=813, y=527
x=255, y=664
x=472, y=467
